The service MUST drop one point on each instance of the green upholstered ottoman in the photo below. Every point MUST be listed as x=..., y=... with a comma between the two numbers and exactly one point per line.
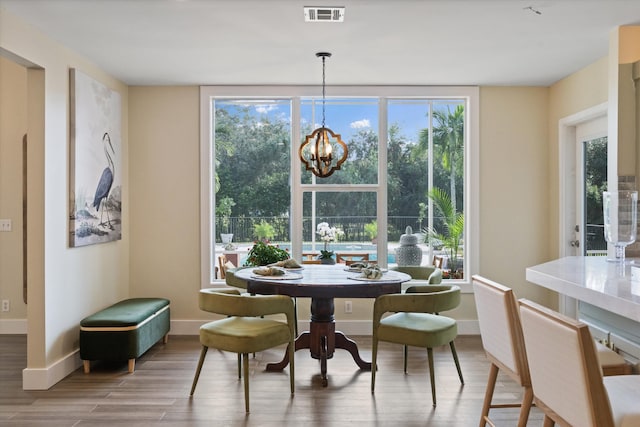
x=124, y=331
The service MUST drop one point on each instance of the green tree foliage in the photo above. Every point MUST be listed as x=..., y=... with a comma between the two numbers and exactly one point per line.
x=448, y=141
x=595, y=179
x=252, y=155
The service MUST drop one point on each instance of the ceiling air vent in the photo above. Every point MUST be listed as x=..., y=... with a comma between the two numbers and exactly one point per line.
x=323, y=14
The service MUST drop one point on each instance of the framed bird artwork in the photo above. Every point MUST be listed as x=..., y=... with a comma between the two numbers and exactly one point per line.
x=95, y=176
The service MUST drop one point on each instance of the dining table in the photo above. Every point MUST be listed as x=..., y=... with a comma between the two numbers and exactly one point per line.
x=323, y=283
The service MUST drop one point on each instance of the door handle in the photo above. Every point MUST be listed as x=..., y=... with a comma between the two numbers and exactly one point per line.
x=575, y=243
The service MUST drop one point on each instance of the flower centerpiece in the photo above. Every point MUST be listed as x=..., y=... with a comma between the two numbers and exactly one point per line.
x=327, y=234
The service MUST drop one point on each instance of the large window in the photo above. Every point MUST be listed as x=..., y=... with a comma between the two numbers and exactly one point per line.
x=404, y=143
x=425, y=177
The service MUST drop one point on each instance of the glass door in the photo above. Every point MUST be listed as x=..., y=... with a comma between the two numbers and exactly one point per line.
x=591, y=181
x=594, y=183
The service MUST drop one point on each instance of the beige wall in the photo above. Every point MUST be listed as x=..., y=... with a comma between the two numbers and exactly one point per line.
x=165, y=196
x=514, y=183
x=76, y=281
x=573, y=94
x=13, y=125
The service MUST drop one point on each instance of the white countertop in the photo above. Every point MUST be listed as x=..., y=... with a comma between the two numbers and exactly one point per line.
x=592, y=280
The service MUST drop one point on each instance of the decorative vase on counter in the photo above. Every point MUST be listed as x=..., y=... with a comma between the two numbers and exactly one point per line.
x=329, y=261
x=408, y=253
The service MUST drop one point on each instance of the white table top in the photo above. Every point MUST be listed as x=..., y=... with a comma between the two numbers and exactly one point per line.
x=592, y=280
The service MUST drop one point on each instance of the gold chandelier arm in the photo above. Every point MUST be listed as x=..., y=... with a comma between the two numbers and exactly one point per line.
x=317, y=153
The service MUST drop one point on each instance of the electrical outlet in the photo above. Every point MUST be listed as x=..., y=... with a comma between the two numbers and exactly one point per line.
x=5, y=305
x=5, y=225
x=348, y=307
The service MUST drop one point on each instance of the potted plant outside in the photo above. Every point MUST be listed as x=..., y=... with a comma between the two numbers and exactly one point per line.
x=264, y=254
x=453, y=229
x=264, y=231
x=223, y=211
x=327, y=234
x=371, y=230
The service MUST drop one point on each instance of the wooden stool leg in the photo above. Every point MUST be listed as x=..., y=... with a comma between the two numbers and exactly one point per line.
x=527, y=401
x=488, y=395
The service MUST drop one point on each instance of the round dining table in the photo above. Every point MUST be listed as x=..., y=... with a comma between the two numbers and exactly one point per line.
x=323, y=283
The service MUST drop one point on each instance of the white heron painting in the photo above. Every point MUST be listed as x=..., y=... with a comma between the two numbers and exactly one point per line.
x=95, y=208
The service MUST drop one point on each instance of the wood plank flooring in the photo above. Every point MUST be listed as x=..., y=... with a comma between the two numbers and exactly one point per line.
x=157, y=393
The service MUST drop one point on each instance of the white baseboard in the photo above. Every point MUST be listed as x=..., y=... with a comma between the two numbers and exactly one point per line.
x=13, y=326
x=45, y=378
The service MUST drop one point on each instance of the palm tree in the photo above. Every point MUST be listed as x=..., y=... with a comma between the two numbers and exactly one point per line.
x=448, y=133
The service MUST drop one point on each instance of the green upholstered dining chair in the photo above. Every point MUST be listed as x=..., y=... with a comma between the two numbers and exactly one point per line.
x=232, y=280
x=431, y=274
x=415, y=324
x=244, y=331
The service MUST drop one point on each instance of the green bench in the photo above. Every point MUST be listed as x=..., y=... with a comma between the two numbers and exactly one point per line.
x=124, y=331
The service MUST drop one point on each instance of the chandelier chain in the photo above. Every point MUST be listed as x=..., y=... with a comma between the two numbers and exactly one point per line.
x=323, y=79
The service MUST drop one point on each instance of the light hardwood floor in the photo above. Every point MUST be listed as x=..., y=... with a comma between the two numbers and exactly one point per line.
x=156, y=394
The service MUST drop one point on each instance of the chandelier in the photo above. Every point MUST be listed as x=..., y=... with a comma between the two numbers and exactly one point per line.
x=323, y=152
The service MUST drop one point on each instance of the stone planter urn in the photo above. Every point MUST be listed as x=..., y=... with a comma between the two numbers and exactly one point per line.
x=408, y=253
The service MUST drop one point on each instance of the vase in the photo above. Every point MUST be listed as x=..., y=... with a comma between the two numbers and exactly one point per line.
x=328, y=261
x=408, y=253
x=620, y=220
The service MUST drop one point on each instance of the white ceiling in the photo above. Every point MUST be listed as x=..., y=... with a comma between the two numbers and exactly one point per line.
x=390, y=42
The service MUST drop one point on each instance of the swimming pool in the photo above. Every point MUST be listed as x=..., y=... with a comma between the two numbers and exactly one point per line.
x=335, y=247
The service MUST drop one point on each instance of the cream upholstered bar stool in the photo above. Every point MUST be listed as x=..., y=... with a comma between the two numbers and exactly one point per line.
x=568, y=385
x=414, y=323
x=503, y=342
x=244, y=331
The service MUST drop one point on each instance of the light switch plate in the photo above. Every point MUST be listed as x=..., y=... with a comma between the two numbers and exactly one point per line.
x=5, y=225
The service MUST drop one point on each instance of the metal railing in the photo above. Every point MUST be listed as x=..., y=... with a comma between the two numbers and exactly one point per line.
x=243, y=228
x=596, y=242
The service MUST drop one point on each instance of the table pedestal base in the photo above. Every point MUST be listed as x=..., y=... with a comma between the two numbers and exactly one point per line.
x=322, y=339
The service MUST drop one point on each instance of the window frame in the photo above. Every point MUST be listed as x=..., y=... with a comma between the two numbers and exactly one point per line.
x=470, y=95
